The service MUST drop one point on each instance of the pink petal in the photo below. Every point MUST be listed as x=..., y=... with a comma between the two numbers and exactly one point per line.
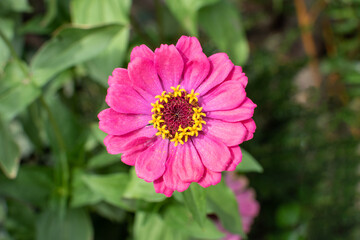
x=150, y=165
x=119, y=76
x=220, y=67
x=116, y=123
x=236, y=157
x=230, y=133
x=129, y=159
x=189, y=165
x=248, y=205
x=169, y=65
x=142, y=51
x=226, y=96
x=189, y=47
x=160, y=187
x=125, y=99
x=247, y=222
x=196, y=70
x=243, y=112
x=214, y=154
x=210, y=178
x=171, y=174
x=250, y=126
x=235, y=182
x=132, y=140
x=142, y=72
x=238, y=75
x=130, y=156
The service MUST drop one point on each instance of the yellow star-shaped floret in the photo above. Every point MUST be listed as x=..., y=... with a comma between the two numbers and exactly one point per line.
x=192, y=96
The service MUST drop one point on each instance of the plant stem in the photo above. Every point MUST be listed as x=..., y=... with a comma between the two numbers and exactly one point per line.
x=305, y=23
x=63, y=163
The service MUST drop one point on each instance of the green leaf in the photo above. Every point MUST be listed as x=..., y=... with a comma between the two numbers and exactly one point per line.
x=97, y=133
x=195, y=201
x=75, y=225
x=109, y=188
x=150, y=226
x=32, y=185
x=186, y=12
x=82, y=195
x=222, y=202
x=222, y=24
x=179, y=218
x=17, y=90
x=14, y=6
x=7, y=28
x=109, y=211
x=73, y=130
x=248, y=163
x=69, y=47
x=139, y=189
x=51, y=11
x=103, y=65
x=10, y=152
x=102, y=159
x=92, y=12
x=95, y=12
x=20, y=222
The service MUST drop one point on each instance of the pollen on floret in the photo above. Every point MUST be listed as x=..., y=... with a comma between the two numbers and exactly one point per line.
x=177, y=115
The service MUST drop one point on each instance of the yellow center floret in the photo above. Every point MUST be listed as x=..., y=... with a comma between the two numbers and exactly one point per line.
x=177, y=115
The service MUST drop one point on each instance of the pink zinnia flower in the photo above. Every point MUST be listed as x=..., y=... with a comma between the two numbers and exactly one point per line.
x=248, y=206
x=178, y=116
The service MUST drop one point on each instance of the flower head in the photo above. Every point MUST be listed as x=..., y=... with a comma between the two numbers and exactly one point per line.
x=248, y=206
x=177, y=115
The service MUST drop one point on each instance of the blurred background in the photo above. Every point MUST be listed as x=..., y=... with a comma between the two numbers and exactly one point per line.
x=302, y=58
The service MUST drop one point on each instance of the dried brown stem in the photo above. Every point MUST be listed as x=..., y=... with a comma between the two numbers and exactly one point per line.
x=305, y=23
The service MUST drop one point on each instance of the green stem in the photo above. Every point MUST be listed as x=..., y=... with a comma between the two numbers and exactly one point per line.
x=64, y=168
x=13, y=52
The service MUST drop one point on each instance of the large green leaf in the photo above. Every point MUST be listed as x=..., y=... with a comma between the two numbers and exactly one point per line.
x=248, y=163
x=102, y=159
x=81, y=194
x=33, y=185
x=97, y=134
x=179, y=218
x=16, y=90
x=109, y=188
x=186, y=12
x=195, y=201
x=73, y=130
x=7, y=28
x=222, y=23
x=139, y=189
x=14, y=6
x=51, y=11
x=75, y=225
x=222, y=202
x=109, y=211
x=19, y=222
x=69, y=47
x=10, y=153
x=150, y=226
x=95, y=12
x=103, y=65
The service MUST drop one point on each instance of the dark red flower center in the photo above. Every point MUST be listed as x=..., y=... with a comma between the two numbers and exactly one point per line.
x=177, y=115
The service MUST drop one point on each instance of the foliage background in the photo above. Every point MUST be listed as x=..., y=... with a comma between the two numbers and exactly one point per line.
x=58, y=182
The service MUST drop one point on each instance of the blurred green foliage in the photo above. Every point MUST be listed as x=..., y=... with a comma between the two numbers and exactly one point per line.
x=60, y=183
